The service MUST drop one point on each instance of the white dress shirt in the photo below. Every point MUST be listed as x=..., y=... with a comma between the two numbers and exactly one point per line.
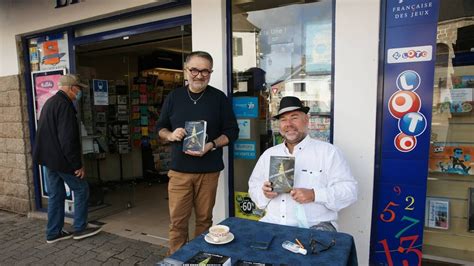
x=318, y=165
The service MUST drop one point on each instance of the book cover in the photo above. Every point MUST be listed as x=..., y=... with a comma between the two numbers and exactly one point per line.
x=195, y=135
x=254, y=263
x=282, y=171
x=206, y=258
x=452, y=158
x=437, y=213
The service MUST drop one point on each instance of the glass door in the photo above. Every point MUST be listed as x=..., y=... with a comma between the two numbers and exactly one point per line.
x=279, y=48
x=449, y=215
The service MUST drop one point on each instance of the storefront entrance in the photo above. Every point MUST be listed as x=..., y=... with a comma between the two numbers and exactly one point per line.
x=125, y=161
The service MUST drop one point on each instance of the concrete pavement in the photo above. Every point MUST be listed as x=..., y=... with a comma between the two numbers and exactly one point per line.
x=23, y=242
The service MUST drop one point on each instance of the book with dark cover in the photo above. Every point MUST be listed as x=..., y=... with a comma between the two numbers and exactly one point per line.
x=195, y=135
x=282, y=172
x=253, y=263
x=206, y=258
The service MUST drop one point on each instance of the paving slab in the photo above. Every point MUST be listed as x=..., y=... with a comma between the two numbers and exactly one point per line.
x=23, y=242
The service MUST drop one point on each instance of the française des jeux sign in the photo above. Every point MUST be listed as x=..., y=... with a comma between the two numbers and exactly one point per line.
x=400, y=190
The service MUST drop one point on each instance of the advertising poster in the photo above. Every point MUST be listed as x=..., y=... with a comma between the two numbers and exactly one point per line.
x=451, y=158
x=244, y=128
x=409, y=56
x=245, y=207
x=101, y=92
x=245, y=149
x=320, y=128
x=52, y=51
x=245, y=107
x=45, y=85
x=318, y=48
x=457, y=100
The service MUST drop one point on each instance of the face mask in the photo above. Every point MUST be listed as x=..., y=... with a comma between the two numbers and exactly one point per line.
x=79, y=95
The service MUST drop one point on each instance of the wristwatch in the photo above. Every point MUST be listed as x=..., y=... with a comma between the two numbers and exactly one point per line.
x=214, y=146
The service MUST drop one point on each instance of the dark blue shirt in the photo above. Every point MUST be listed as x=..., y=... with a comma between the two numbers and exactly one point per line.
x=213, y=107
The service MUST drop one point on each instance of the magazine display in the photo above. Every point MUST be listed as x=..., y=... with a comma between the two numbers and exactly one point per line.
x=195, y=135
x=437, y=213
x=206, y=258
x=282, y=172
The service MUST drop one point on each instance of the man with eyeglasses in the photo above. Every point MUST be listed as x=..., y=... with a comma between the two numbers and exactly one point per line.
x=193, y=175
x=57, y=147
x=323, y=183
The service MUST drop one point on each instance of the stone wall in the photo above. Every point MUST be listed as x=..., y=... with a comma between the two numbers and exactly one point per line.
x=448, y=30
x=16, y=176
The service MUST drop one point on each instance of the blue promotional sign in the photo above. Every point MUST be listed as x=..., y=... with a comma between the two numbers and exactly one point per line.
x=244, y=128
x=400, y=190
x=245, y=107
x=101, y=91
x=245, y=149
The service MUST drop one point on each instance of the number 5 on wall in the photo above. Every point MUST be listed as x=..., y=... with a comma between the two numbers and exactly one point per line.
x=391, y=213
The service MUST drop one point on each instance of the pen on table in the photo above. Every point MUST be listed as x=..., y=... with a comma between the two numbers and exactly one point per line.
x=299, y=243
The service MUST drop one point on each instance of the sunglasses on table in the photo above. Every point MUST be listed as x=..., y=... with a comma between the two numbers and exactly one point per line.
x=318, y=246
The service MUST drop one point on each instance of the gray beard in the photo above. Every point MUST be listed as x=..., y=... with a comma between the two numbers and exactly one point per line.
x=296, y=142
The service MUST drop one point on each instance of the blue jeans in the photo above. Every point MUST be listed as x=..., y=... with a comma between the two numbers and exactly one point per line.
x=57, y=195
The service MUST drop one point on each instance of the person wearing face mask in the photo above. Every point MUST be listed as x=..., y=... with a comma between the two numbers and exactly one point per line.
x=323, y=183
x=57, y=147
x=193, y=175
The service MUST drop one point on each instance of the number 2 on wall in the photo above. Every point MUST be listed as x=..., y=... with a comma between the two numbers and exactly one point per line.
x=412, y=201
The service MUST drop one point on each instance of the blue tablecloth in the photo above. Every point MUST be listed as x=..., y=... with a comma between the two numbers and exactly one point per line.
x=343, y=253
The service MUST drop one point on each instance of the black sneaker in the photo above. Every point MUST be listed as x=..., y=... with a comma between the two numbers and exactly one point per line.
x=89, y=231
x=61, y=236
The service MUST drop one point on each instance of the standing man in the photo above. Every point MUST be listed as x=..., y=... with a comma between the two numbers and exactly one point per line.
x=323, y=183
x=58, y=149
x=193, y=175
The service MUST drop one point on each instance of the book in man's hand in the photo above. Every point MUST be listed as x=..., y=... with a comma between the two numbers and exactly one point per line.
x=195, y=138
x=206, y=258
x=282, y=173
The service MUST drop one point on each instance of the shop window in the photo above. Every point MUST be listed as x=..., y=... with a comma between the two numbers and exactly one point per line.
x=448, y=233
x=280, y=48
x=237, y=46
x=299, y=87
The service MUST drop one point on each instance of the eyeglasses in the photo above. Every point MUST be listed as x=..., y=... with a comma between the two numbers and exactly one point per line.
x=195, y=72
x=318, y=246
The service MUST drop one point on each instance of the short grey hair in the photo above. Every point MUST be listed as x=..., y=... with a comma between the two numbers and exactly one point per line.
x=201, y=54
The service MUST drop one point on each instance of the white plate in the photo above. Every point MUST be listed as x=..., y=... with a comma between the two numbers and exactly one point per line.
x=229, y=238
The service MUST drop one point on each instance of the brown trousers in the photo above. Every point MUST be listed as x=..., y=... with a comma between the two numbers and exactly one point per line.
x=185, y=191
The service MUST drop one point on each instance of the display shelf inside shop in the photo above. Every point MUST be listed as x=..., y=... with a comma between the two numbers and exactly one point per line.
x=118, y=131
x=148, y=93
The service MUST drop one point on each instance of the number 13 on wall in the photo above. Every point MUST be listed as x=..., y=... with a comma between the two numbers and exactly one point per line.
x=397, y=227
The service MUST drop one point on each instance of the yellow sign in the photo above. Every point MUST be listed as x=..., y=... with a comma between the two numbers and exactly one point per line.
x=245, y=207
